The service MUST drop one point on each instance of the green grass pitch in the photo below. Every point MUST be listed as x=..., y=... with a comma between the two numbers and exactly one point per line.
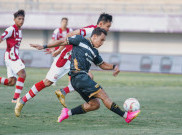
x=160, y=96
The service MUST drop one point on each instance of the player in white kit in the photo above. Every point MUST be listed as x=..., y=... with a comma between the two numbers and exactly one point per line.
x=15, y=67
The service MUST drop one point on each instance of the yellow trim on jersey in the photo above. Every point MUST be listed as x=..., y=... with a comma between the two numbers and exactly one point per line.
x=76, y=64
x=91, y=95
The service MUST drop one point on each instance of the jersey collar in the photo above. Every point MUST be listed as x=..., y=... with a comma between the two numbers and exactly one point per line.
x=16, y=28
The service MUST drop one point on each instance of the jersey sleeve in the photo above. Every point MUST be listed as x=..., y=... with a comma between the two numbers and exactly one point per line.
x=74, y=40
x=98, y=59
x=86, y=32
x=55, y=34
x=7, y=33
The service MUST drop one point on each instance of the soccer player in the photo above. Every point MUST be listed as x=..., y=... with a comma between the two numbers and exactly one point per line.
x=59, y=67
x=103, y=22
x=83, y=54
x=15, y=68
x=58, y=34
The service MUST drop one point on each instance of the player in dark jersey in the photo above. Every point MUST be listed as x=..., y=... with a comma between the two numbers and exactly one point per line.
x=83, y=54
x=104, y=22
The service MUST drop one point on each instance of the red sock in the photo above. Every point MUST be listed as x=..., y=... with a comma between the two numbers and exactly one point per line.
x=66, y=89
x=3, y=81
x=19, y=87
x=33, y=91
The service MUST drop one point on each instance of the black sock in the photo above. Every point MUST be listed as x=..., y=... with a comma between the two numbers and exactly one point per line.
x=77, y=110
x=115, y=108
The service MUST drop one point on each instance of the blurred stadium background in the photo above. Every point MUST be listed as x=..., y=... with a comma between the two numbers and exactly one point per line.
x=145, y=34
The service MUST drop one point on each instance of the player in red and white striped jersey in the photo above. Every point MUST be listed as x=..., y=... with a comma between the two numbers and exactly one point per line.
x=60, y=65
x=15, y=67
x=103, y=22
x=58, y=34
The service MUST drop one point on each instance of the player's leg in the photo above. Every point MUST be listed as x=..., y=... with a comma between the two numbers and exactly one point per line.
x=61, y=93
x=11, y=80
x=36, y=88
x=86, y=87
x=52, y=76
x=16, y=69
x=19, y=84
x=92, y=105
x=128, y=116
x=4, y=81
x=68, y=89
x=8, y=81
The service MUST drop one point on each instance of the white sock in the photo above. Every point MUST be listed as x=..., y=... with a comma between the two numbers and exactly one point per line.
x=125, y=115
x=69, y=113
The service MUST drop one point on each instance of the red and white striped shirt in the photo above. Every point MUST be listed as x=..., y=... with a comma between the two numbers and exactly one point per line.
x=87, y=31
x=13, y=37
x=58, y=34
x=66, y=52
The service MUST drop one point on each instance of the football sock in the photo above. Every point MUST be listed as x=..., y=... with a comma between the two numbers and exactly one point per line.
x=19, y=87
x=78, y=110
x=115, y=108
x=67, y=89
x=63, y=91
x=33, y=91
x=3, y=81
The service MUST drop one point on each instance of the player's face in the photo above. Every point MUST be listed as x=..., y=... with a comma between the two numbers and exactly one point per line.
x=19, y=21
x=64, y=23
x=98, y=40
x=106, y=26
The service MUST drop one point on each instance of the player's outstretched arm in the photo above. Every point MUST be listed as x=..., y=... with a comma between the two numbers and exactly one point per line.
x=107, y=66
x=62, y=42
x=58, y=51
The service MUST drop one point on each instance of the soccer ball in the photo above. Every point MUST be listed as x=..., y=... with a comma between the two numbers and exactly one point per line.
x=131, y=105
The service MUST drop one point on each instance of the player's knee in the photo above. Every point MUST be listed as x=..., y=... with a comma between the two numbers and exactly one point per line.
x=11, y=82
x=95, y=105
x=47, y=83
x=22, y=74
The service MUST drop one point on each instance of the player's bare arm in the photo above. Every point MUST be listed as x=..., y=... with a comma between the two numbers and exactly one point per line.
x=107, y=66
x=58, y=51
x=56, y=43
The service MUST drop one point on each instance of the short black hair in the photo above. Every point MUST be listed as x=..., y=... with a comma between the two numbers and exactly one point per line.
x=64, y=18
x=19, y=13
x=105, y=18
x=98, y=31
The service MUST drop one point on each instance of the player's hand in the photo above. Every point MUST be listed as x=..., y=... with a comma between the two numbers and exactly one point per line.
x=116, y=70
x=0, y=39
x=38, y=47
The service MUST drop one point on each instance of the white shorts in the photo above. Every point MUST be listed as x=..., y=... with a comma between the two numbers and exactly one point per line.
x=13, y=67
x=55, y=73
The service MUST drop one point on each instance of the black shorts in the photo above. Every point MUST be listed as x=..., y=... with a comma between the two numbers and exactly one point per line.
x=84, y=85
